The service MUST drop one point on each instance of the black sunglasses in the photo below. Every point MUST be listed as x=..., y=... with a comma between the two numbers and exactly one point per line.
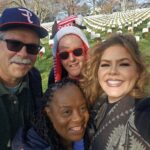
x=16, y=46
x=76, y=52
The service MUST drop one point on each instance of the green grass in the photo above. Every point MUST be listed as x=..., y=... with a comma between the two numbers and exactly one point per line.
x=45, y=63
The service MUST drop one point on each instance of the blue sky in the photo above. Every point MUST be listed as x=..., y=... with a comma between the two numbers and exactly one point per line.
x=141, y=1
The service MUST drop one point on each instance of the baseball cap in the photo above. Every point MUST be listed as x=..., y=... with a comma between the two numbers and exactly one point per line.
x=19, y=16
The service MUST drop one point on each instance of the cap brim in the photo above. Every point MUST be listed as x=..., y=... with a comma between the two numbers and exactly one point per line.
x=42, y=32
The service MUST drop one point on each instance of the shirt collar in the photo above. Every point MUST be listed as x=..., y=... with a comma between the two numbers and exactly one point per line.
x=25, y=84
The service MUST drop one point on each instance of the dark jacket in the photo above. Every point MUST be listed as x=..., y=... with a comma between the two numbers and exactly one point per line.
x=30, y=140
x=51, y=78
x=16, y=109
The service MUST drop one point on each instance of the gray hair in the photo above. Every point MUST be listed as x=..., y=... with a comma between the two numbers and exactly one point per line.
x=1, y=35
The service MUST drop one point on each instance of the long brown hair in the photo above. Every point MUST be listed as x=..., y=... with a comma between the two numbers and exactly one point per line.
x=89, y=81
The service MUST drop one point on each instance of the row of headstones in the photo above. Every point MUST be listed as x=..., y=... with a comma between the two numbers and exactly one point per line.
x=48, y=26
x=94, y=34
x=115, y=20
x=103, y=22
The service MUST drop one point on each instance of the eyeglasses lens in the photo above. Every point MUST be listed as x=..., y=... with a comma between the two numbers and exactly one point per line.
x=16, y=46
x=76, y=52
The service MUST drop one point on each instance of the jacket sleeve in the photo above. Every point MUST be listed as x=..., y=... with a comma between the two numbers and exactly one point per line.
x=142, y=118
x=29, y=140
x=35, y=83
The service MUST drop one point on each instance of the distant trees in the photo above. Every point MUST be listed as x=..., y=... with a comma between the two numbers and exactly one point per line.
x=40, y=7
x=46, y=9
x=107, y=6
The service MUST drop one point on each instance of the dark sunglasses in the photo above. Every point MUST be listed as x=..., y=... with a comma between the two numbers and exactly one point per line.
x=16, y=46
x=76, y=52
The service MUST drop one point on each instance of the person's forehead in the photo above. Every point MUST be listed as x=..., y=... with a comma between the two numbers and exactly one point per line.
x=22, y=34
x=67, y=91
x=70, y=37
x=67, y=87
x=70, y=40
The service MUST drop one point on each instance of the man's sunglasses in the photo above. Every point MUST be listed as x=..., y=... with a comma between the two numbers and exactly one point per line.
x=16, y=46
x=76, y=52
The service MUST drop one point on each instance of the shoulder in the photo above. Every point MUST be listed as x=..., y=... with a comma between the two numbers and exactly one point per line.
x=142, y=118
x=35, y=140
x=34, y=73
x=35, y=82
x=143, y=103
x=100, y=102
x=142, y=108
x=29, y=140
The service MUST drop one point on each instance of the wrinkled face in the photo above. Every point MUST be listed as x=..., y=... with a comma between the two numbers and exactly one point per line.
x=15, y=65
x=68, y=113
x=73, y=64
x=117, y=72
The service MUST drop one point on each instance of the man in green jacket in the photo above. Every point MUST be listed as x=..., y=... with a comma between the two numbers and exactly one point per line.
x=20, y=33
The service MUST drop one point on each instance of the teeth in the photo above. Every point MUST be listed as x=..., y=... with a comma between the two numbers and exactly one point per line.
x=76, y=128
x=114, y=82
x=74, y=65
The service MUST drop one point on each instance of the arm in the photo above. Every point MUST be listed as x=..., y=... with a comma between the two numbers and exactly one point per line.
x=142, y=118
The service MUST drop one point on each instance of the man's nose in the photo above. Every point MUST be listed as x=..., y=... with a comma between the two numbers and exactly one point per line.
x=23, y=51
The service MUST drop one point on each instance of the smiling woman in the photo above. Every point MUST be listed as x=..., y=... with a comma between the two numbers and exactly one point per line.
x=114, y=80
x=117, y=73
x=61, y=121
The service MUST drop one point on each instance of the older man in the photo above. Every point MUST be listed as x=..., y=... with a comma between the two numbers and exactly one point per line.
x=20, y=34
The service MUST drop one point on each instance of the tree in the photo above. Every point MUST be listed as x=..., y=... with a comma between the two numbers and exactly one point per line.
x=4, y=4
x=71, y=6
x=40, y=7
x=45, y=9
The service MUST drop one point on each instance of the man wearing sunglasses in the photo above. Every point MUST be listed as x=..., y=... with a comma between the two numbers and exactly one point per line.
x=20, y=34
x=70, y=51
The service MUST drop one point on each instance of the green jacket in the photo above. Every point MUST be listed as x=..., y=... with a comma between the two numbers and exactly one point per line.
x=15, y=111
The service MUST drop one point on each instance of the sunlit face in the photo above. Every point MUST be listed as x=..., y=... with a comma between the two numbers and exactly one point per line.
x=73, y=65
x=68, y=113
x=117, y=72
x=10, y=70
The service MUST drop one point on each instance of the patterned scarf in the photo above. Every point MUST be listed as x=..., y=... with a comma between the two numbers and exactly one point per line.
x=112, y=126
